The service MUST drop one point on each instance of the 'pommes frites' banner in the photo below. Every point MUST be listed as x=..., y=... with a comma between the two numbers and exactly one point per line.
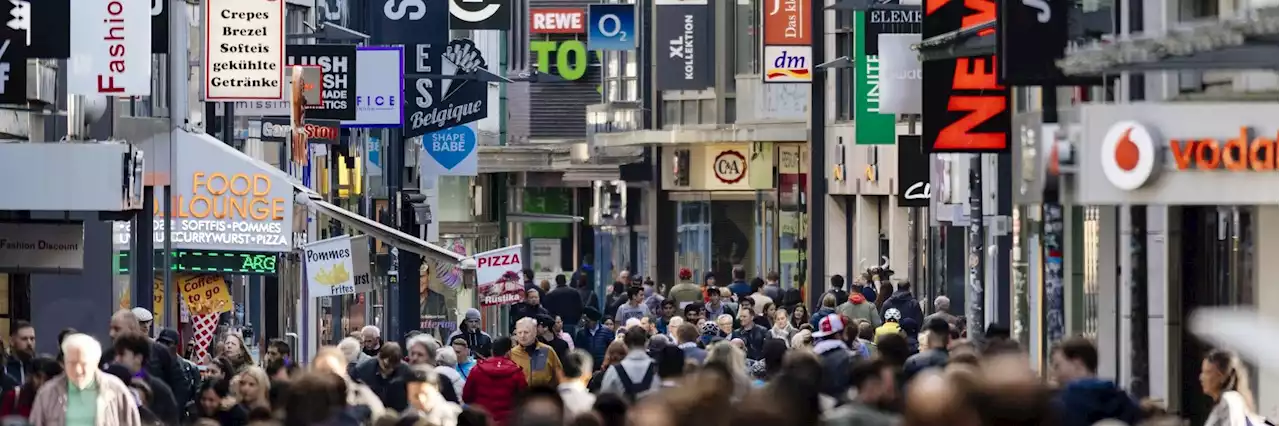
x=498, y=276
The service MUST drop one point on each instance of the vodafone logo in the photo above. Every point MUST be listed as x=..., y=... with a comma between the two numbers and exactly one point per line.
x=1129, y=155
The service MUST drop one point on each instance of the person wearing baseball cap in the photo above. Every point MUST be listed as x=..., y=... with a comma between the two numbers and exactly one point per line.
x=837, y=359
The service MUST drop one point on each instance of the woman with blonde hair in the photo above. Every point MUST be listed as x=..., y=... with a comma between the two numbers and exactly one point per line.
x=251, y=389
x=732, y=362
x=1224, y=379
x=234, y=349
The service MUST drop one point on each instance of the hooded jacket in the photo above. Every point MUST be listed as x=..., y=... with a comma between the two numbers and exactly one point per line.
x=480, y=343
x=858, y=308
x=1087, y=401
x=493, y=385
x=906, y=303
x=525, y=310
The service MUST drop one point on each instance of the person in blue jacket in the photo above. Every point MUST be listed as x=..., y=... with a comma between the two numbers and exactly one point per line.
x=1085, y=399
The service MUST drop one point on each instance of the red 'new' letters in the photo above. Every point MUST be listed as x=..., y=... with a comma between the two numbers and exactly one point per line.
x=973, y=74
x=499, y=260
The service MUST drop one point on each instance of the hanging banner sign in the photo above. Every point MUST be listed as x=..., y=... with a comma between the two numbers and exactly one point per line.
x=684, y=29
x=244, y=50
x=480, y=14
x=15, y=40
x=914, y=189
x=611, y=27
x=100, y=63
x=329, y=267
x=967, y=110
x=900, y=74
x=339, y=81
x=461, y=100
x=498, y=277
x=278, y=129
x=379, y=87
x=877, y=126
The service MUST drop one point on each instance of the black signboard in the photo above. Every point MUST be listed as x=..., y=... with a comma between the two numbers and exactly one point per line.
x=159, y=26
x=886, y=21
x=325, y=132
x=1034, y=33
x=966, y=110
x=13, y=55
x=684, y=60
x=337, y=64
x=480, y=14
x=913, y=172
x=423, y=29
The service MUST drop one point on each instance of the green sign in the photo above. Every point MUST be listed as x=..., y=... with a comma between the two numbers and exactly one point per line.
x=548, y=201
x=570, y=57
x=209, y=261
x=870, y=126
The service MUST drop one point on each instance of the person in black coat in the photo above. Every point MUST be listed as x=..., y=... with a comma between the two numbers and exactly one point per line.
x=386, y=375
x=565, y=303
x=530, y=308
x=131, y=352
x=161, y=364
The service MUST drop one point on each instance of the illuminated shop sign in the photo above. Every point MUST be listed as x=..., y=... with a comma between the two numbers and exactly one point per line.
x=208, y=261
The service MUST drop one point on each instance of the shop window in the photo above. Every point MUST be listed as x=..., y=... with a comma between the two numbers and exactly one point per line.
x=746, y=30
x=708, y=107
x=689, y=113
x=671, y=113
x=455, y=199
x=844, y=76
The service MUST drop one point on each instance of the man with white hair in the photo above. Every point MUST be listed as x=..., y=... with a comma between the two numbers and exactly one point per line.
x=942, y=309
x=83, y=394
x=371, y=340
x=539, y=361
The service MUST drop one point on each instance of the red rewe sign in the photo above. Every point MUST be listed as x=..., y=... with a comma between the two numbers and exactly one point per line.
x=967, y=110
x=557, y=21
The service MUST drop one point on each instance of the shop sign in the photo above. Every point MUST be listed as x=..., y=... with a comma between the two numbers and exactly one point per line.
x=329, y=267
x=205, y=294
x=244, y=50
x=557, y=21
x=41, y=247
x=570, y=57
x=967, y=110
x=1247, y=152
x=729, y=166
x=498, y=276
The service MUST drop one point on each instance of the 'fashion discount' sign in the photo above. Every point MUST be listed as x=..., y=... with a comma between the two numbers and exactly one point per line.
x=498, y=276
x=244, y=50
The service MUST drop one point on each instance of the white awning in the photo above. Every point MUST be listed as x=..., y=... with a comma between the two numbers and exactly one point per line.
x=274, y=172
x=388, y=234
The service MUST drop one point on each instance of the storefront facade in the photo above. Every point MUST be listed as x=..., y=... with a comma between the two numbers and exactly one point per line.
x=739, y=204
x=1199, y=181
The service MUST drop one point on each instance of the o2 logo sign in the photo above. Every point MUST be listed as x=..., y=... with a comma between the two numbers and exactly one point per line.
x=730, y=167
x=611, y=27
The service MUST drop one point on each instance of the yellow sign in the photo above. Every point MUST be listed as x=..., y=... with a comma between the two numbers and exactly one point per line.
x=157, y=298
x=205, y=294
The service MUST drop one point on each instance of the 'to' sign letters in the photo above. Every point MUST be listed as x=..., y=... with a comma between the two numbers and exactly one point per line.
x=570, y=59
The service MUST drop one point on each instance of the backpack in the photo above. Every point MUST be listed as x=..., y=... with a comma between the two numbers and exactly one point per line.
x=632, y=389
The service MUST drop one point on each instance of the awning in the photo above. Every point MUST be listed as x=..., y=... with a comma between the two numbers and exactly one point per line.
x=388, y=234
x=271, y=171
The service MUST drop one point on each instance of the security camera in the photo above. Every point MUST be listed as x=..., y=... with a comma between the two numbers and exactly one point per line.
x=468, y=264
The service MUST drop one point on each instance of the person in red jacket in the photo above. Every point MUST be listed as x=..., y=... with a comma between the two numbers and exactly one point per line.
x=494, y=383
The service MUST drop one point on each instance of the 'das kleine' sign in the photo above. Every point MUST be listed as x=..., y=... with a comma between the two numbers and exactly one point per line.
x=41, y=247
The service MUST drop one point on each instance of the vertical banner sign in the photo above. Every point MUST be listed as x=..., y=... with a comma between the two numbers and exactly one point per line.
x=332, y=11
x=47, y=27
x=14, y=53
x=159, y=26
x=244, y=50
x=339, y=77
x=480, y=14
x=684, y=60
x=100, y=63
x=498, y=277
x=966, y=110
x=900, y=74
x=788, y=57
x=875, y=127
x=611, y=27
x=914, y=189
x=464, y=97
x=379, y=87
x=423, y=29
x=330, y=267
x=1036, y=33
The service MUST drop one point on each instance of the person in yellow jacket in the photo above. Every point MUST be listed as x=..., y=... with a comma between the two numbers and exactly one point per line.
x=538, y=360
x=891, y=326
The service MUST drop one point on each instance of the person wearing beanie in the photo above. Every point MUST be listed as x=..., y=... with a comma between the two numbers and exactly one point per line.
x=479, y=342
x=593, y=336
